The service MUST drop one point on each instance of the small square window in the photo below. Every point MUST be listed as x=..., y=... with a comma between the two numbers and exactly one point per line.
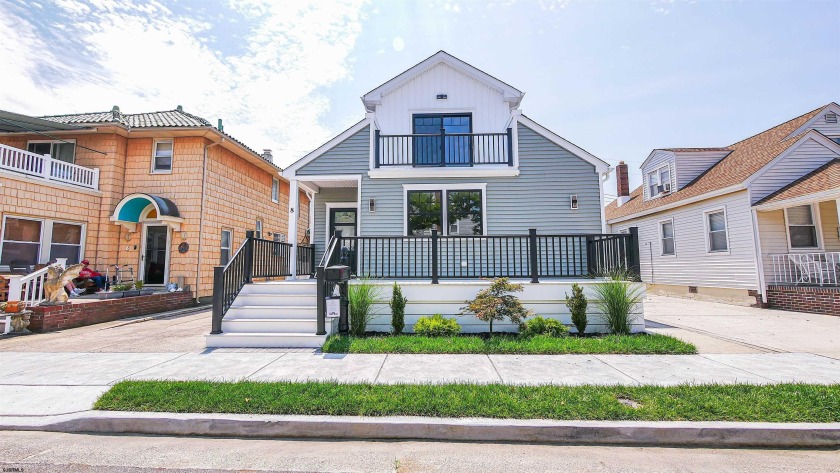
x=259, y=229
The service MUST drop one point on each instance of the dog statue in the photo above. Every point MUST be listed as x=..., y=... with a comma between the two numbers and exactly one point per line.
x=56, y=280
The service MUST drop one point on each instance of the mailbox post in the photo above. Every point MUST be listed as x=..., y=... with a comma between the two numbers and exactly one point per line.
x=339, y=276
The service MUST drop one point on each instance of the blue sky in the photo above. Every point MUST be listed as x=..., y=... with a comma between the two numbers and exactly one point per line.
x=617, y=78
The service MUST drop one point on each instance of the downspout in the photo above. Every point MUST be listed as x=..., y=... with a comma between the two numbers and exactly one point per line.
x=201, y=220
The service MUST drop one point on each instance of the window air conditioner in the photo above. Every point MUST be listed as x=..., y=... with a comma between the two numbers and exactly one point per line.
x=665, y=188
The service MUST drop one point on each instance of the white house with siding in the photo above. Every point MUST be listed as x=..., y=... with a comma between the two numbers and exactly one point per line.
x=756, y=219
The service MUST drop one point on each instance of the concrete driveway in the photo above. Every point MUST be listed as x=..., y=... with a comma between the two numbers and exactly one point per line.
x=724, y=328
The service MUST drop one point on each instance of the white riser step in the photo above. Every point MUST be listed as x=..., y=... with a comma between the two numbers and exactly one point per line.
x=264, y=340
x=281, y=287
x=302, y=326
x=272, y=312
x=275, y=300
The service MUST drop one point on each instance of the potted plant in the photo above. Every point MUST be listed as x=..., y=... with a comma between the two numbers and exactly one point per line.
x=117, y=291
x=143, y=291
x=13, y=307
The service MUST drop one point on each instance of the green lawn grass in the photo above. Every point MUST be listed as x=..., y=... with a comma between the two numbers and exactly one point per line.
x=509, y=344
x=769, y=403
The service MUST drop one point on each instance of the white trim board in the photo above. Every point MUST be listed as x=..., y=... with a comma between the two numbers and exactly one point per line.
x=511, y=94
x=832, y=107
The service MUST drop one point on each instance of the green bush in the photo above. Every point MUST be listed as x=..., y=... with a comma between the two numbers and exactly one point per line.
x=542, y=326
x=397, y=310
x=138, y=284
x=617, y=300
x=577, y=305
x=436, y=326
x=362, y=296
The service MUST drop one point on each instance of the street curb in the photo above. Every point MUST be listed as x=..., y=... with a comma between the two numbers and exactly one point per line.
x=694, y=434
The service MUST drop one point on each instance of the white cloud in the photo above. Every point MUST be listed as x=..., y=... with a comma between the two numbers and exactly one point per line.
x=264, y=80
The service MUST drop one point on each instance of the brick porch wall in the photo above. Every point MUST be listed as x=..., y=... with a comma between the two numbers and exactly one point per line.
x=820, y=300
x=51, y=318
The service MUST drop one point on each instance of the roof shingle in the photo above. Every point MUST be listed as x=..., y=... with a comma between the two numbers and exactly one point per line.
x=747, y=157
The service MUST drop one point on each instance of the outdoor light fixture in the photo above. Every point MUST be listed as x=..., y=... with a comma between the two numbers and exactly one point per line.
x=372, y=205
x=574, y=201
x=183, y=235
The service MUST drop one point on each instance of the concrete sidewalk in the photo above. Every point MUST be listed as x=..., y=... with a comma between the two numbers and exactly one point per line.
x=36, y=384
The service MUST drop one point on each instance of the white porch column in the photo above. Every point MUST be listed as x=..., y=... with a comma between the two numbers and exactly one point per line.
x=15, y=287
x=294, y=208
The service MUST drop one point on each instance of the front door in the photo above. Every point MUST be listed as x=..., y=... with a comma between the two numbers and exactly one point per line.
x=155, y=253
x=344, y=220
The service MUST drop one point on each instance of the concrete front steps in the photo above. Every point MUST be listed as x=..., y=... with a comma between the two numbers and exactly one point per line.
x=278, y=314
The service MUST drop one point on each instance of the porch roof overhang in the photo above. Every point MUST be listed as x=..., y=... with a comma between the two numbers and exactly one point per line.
x=820, y=184
x=130, y=210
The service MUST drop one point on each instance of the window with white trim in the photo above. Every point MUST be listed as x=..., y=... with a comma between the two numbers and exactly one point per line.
x=666, y=235
x=275, y=190
x=258, y=230
x=227, y=237
x=30, y=241
x=60, y=150
x=657, y=178
x=717, y=237
x=461, y=209
x=162, y=156
x=801, y=227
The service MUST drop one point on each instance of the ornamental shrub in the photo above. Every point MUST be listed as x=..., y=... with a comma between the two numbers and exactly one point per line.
x=542, y=326
x=397, y=310
x=497, y=302
x=437, y=326
x=577, y=305
x=362, y=297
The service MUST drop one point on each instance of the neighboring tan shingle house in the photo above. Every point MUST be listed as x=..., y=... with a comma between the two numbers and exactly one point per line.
x=743, y=220
x=166, y=193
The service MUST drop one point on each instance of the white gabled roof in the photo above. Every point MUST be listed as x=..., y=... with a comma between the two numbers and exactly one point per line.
x=512, y=95
x=830, y=108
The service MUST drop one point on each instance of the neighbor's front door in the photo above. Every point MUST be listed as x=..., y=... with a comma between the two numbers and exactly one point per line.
x=154, y=256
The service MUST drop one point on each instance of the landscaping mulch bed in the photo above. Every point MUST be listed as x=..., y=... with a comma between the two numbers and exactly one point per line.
x=640, y=344
x=745, y=403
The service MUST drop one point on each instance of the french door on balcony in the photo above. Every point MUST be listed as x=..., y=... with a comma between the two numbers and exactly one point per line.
x=454, y=151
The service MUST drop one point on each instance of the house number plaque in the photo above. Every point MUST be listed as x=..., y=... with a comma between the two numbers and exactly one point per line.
x=183, y=247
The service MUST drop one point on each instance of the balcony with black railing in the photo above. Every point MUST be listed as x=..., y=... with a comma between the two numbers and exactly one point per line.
x=444, y=149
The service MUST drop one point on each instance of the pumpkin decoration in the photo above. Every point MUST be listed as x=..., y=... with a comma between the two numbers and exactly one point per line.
x=14, y=307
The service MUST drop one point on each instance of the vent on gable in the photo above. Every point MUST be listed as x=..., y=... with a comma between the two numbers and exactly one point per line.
x=831, y=118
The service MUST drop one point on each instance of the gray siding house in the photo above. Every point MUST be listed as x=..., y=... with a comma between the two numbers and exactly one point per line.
x=444, y=146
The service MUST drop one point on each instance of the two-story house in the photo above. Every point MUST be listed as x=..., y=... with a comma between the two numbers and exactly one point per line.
x=163, y=195
x=444, y=146
x=755, y=219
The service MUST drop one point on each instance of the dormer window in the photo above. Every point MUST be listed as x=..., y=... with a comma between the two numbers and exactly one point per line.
x=659, y=181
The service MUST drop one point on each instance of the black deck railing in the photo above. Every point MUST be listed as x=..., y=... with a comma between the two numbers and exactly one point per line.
x=531, y=256
x=256, y=258
x=444, y=149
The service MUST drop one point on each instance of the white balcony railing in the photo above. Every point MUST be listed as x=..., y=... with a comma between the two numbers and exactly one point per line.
x=820, y=269
x=44, y=167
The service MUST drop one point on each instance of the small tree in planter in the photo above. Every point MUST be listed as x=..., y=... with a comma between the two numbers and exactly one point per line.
x=397, y=310
x=577, y=305
x=497, y=302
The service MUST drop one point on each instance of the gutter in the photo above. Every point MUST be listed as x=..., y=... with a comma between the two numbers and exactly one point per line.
x=679, y=203
x=201, y=219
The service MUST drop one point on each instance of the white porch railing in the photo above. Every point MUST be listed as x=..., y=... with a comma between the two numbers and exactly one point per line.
x=44, y=167
x=30, y=288
x=807, y=268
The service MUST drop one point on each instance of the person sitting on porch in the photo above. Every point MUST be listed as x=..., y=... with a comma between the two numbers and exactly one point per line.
x=72, y=290
x=87, y=273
